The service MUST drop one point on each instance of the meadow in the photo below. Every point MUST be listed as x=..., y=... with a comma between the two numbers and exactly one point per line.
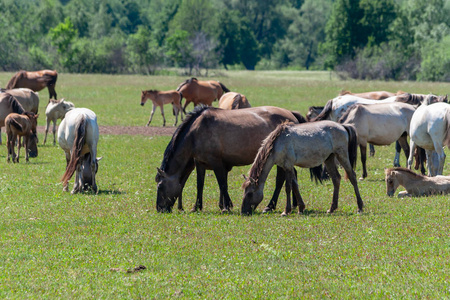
x=57, y=245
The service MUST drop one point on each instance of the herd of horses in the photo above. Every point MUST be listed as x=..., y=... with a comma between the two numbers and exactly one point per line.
x=237, y=134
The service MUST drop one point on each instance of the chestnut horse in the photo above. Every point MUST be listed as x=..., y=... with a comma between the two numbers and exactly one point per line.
x=35, y=81
x=215, y=139
x=201, y=92
x=23, y=125
x=307, y=146
x=232, y=100
x=159, y=99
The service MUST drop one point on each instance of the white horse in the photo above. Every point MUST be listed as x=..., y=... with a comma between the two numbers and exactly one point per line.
x=430, y=129
x=78, y=136
x=55, y=110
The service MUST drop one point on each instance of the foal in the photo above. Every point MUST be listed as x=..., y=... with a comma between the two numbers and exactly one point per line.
x=23, y=125
x=159, y=99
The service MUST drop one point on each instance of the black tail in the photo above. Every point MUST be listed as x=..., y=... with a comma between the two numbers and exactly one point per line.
x=224, y=88
x=324, y=115
x=299, y=117
x=316, y=173
x=352, y=144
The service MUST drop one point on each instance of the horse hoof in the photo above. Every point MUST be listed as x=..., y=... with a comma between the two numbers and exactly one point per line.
x=284, y=214
x=225, y=211
x=267, y=209
x=361, y=178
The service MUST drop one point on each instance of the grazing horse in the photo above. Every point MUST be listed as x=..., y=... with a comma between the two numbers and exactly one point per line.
x=78, y=136
x=201, y=92
x=416, y=185
x=159, y=99
x=430, y=129
x=36, y=81
x=23, y=125
x=232, y=100
x=376, y=95
x=26, y=97
x=215, y=139
x=55, y=110
x=8, y=104
x=304, y=145
x=380, y=124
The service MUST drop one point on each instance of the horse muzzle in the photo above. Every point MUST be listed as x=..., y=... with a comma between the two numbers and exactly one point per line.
x=142, y=103
x=33, y=154
x=390, y=194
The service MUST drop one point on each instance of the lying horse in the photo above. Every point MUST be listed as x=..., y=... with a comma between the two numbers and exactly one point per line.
x=78, y=136
x=35, y=81
x=232, y=100
x=380, y=124
x=201, y=92
x=215, y=139
x=304, y=145
x=416, y=185
x=430, y=129
x=159, y=99
x=23, y=125
x=55, y=110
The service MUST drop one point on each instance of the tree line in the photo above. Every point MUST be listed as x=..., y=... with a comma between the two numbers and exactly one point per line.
x=364, y=39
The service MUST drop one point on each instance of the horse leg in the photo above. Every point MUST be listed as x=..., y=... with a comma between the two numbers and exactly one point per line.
x=411, y=154
x=18, y=148
x=296, y=194
x=200, y=185
x=46, y=129
x=363, y=149
x=345, y=163
x=403, y=144
x=372, y=150
x=397, y=154
x=54, y=132
x=51, y=91
x=289, y=178
x=66, y=186
x=336, y=179
x=279, y=181
x=151, y=115
x=162, y=113
x=441, y=155
x=222, y=179
x=175, y=112
x=76, y=186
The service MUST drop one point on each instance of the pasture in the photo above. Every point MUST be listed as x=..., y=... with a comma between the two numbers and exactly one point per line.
x=57, y=245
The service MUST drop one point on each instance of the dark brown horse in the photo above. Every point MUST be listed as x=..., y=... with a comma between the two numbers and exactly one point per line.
x=201, y=92
x=23, y=125
x=215, y=139
x=35, y=81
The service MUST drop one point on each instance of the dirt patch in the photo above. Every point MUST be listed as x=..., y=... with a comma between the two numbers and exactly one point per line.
x=131, y=130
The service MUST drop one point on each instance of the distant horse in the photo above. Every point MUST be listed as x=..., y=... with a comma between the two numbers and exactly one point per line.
x=8, y=104
x=23, y=125
x=416, y=185
x=304, y=145
x=78, y=136
x=215, y=139
x=159, y=99
x=380, y=124
x=430, y=129
x=201, y=92
x=232, y=100
x=26, y=97
x=36, y=81
x=376, y=95
x=56, y=110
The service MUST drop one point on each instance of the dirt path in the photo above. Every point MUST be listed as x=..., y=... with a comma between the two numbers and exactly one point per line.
x=132, y=130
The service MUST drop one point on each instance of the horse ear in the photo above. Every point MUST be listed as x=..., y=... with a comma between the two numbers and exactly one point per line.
x=245, y=177
x=99, y=158
x=161, y=172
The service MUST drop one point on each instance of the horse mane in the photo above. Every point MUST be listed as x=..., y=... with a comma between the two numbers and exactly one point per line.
x=224, y=88
x=413, y=99
x=15, y=105
x=236, y=101
x=399, y=92
x=186, y=82
x=80, y=138
x=325, y=112
x=180, y=132
x=346, y=114
x=405, y=170
x=13, y=81
x=152, y=91
x=344, y=92
x=264, y=152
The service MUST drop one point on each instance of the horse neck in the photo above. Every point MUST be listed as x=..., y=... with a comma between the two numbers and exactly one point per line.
x=410, y=182
x=261, y=176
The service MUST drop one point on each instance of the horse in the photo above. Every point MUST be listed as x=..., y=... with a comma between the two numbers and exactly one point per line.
x=55, y=110
x=375, y=95
x=215, y=139
x=232, y=100
x=201, y=92
x=35, y=81
x=304, y=145
x=380, y=124
x=159, y=98
x=416, y=185
x=430, y=129
x=26, y=97
x=8, y=104
x=21, y=125
x=78, y=136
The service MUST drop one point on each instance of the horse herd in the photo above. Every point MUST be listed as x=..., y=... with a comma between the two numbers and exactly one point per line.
x=236, y=134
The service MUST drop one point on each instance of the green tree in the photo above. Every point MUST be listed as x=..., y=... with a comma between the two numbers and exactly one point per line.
x=143, y=51
x=179, y=49
x=62, y=37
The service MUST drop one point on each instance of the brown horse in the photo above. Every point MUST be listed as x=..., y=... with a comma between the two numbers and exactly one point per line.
x=36, y=81
x=215, y=139
x=376, y=95
x=8, y=104
x=26, y=97
x=23, y=125
x=159, y=99
x=201, y=92
x=232, y=100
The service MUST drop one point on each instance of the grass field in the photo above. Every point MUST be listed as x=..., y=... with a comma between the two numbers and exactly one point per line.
x=57, y=245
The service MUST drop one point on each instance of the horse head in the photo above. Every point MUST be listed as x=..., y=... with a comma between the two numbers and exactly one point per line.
x=87, y=170
x=32, y=145
x=253, y=195
x=391, y=182
x=168, y=190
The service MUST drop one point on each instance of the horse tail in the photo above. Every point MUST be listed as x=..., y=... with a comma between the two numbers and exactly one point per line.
x=447, y=131
x=352, y=144
x=13, y=81
x=14, y=123
x=325, y=112
x=15, y=105
x=79, y=141
x=50, y=79
x=236, y=101
x=299, y=117
x=316, y=173
x=224, y=88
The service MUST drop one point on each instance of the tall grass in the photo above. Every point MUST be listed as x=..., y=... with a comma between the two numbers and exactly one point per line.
x=57, y=245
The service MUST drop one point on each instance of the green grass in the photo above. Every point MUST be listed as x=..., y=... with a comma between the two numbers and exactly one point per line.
x=57, y=245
